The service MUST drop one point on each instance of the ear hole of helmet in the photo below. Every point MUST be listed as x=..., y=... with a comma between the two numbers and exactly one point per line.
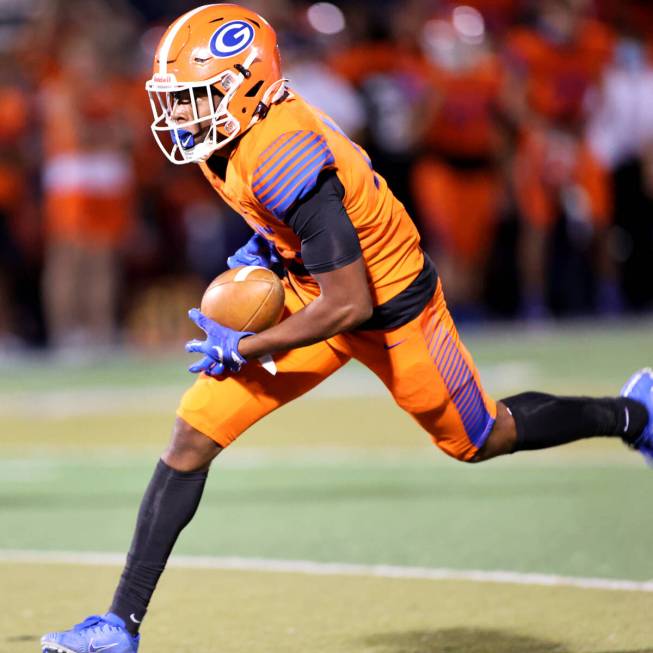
x=255, y=89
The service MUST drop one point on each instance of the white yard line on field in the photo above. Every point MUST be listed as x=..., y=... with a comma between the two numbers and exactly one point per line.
x=350, y=382
x=330, y=569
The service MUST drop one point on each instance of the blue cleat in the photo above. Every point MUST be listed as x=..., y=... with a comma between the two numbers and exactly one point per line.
x=94, y=634
x=640, y=388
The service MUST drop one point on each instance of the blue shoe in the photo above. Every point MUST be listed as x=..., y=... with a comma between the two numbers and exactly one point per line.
x=640, y=388
x=93, y=635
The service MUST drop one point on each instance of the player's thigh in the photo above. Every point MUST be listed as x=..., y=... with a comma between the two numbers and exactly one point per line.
x=432, y=376
x=224, y=408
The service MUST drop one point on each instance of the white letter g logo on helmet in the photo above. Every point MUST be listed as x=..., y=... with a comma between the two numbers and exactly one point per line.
x=231, y=38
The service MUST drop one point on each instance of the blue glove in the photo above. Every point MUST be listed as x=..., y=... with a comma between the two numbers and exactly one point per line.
x=220, y=348
x=256, y=251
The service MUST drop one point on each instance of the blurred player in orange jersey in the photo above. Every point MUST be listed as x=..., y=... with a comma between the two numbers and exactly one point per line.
x=88, y=187
x=457, y=182
x=553, y=69
x=498, y=15
x=392, y=78
x=357, y=286
x=19, y=224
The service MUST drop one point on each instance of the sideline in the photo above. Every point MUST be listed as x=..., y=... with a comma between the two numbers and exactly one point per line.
x=330, y=569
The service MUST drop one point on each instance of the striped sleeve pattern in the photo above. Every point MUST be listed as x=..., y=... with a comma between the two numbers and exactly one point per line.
x=461, y=385
x=288, y=169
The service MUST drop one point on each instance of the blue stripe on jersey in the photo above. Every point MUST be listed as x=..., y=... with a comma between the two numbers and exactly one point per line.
x=306, y=183
x=275, y=147
x=332, y=124
x=265, y=172
x=329, y=122
x=462, y=388
x=307, y=159
x=298, y=156
x=291, y=170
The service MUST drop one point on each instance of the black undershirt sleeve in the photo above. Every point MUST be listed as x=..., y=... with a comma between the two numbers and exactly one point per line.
x=328, y=238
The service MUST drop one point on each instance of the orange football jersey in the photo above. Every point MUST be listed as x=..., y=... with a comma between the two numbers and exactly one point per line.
x=465, y=122
x=557, y=77
x=277, y=162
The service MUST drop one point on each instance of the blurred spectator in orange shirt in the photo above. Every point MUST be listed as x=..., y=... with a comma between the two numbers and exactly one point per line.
x=88, y=182
x=554, y=67
x=19, y=237
x=20, y=229
x=499, y=15
x=457, y=181
x=391, y=75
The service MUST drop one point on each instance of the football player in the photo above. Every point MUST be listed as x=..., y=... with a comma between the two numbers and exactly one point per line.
x=357, y=285
x=553, y=68
x=458, y=179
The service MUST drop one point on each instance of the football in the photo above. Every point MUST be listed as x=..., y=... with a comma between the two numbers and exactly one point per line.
x=246, y=298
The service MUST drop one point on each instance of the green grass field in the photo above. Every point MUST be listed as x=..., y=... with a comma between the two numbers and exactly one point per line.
x=340, y=476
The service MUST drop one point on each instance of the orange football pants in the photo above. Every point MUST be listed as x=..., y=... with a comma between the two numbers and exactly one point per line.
x=459, y=208
x=423, y=364
x=536, y=200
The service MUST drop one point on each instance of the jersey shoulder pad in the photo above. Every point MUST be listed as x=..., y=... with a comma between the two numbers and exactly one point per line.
x=288, y=169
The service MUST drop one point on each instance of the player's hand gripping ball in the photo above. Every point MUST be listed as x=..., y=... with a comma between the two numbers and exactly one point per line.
x=238, y=303
x=256, y=251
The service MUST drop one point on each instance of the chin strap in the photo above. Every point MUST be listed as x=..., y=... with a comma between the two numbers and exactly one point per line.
x=203, y=152
x=277, y=92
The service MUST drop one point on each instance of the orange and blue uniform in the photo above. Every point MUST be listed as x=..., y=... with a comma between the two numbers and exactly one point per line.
x=419, y=357
x=556, y=79
x=457, y=182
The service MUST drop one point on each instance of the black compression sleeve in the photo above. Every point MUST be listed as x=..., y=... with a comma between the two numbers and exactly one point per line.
x=329, y=240
x=168, y=505
x=545, y=421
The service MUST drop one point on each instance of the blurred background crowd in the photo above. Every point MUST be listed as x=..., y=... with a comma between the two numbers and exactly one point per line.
x=518, y=133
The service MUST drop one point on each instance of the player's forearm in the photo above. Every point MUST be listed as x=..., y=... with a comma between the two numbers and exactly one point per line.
x=318, y=321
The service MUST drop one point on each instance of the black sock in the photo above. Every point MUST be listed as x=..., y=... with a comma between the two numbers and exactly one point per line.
x=547, y=421
x=169, y=503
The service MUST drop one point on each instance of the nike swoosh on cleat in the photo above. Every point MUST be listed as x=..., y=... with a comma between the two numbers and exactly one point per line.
x=96, y=649
x=396, y=344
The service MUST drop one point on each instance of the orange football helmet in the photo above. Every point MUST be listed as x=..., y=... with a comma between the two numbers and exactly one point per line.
x=225, y=53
